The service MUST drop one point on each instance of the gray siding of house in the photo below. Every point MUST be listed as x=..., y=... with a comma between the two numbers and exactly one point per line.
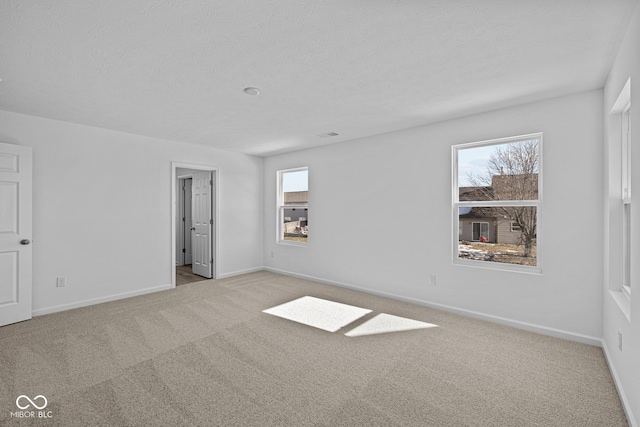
x=505, y=235
x=296, y=198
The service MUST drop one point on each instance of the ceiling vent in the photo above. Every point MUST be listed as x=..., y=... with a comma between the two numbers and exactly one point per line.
x=328, y=135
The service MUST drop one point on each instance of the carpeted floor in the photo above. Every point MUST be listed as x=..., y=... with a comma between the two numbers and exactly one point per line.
x=204, y=354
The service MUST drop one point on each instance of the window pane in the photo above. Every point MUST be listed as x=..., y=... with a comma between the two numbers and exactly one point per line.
x=294, y=196
x=487, y=234
x=295, y=187
x=295, y=226
x=507, y=171
x=626, y=154
x=626, y=239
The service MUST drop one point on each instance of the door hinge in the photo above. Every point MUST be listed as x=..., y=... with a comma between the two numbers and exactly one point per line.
x=182, y=219
x=183, y=250
x=210, y=221
x=210, y=182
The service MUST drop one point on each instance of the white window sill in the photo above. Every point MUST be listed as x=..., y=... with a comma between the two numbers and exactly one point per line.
x=623, y=301
x=289, y=243
x=499, y=266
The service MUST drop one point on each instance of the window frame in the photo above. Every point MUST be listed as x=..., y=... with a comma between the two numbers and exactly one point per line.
x=457, y=204
x=280, y=207
x=626, y=248
x=626, y=197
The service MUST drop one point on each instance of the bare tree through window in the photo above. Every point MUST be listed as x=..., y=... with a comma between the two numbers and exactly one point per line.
x=498, y=183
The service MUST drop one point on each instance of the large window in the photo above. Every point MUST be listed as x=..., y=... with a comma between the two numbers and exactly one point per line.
x=626, y=199
x=497, y=200
x=293, y=206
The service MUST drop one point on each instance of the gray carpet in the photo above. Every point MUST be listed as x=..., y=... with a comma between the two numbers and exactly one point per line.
x=204, y=354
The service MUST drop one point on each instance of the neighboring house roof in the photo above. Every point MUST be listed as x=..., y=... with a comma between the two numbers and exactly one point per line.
x=296, y=198
x=475, y=193
x=503, y=187
x=480, y=213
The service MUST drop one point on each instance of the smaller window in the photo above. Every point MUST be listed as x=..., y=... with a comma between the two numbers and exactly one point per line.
x=515, y=227
x=293, y=206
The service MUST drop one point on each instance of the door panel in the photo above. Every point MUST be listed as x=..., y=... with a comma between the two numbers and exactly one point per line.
x=9, y=288
x=475, y=235
x=484, y=230
x=9, y=207
x=202, y=223
x=15, y=226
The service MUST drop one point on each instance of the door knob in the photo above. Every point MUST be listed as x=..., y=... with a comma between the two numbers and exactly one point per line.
x=25, y=241
x=193, y=229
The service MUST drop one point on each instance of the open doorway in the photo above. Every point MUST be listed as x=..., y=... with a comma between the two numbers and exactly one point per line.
x=184, y=230
x=194, y=193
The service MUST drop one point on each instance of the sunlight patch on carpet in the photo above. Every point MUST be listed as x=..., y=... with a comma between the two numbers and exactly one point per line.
x=319, y=313
x=384, y=323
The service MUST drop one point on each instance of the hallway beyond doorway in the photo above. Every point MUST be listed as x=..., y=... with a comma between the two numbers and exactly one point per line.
x=184, y=275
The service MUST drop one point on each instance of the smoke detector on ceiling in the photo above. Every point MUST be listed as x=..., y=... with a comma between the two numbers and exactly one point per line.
x=252, y=91
x=328, y=135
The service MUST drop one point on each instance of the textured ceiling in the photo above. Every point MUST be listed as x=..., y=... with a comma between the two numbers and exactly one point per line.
x=176, y=69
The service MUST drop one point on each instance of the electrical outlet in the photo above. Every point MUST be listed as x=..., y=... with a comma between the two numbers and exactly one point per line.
x=61, y=282
x=432, y=279
x=620, y=341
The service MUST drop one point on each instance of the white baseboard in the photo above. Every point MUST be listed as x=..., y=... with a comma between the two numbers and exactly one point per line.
x=93, y=301
x=585, y=339
x=618, y=383
x=85, y=303
x=239, y=272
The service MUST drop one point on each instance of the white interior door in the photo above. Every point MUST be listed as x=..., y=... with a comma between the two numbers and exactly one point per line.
x=188, y=217
x=15, y=233
x=202, y=223
x=180, y=227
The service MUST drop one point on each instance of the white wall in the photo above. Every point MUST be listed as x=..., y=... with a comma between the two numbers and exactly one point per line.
x=626, y=363
x=400, y=186
x=102, y=210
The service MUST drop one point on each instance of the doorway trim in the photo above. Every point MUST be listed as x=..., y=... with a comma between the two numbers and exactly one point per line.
x=174, y=205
